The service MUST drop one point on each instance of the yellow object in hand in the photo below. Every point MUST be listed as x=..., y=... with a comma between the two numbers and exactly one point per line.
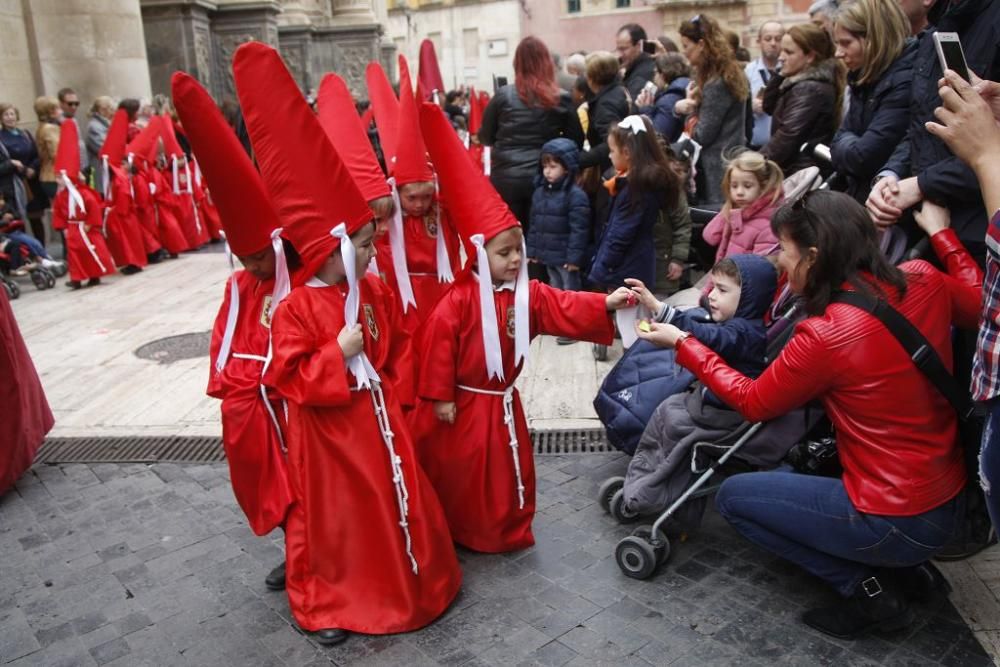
x=644, y=326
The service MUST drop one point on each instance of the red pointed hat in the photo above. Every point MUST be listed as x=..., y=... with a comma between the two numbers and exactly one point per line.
x=467, y=195
x=343, y=127
x=430, y=72
x=411, y=153
x=68, y=153
x=385, y=107
x=475, y=112
x=145, y=144
x=170, y=144
x=237, y=189
x=310, y=186
x=114, y=142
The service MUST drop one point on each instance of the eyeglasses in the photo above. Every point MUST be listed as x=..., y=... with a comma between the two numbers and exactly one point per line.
x=72, y=104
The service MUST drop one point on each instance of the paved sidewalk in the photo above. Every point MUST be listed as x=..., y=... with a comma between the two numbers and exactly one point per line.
x=131, y=565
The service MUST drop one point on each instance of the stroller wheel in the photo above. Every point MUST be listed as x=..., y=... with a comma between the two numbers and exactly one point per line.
x=618, y=509
x=635, y=557
x=12, y=289
x=50, y=279
x=607, y=491
x=661, y=543
x=38, y=280
x=600, y=352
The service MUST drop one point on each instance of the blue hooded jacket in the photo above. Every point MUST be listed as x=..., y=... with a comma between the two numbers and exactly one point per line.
x=560, y=212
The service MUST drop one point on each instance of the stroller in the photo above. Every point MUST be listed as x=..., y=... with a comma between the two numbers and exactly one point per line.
x=41, y=277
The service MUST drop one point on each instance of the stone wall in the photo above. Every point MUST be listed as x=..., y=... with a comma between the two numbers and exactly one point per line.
x=93, y=46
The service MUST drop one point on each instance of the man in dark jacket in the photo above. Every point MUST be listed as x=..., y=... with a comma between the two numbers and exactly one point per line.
x=560, y=216
x=639, y=66
x=922, y=167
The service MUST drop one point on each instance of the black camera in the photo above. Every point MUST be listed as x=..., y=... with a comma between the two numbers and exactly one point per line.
x=815, y=457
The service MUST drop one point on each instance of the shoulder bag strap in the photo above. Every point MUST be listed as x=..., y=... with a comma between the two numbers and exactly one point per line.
x=916, y=345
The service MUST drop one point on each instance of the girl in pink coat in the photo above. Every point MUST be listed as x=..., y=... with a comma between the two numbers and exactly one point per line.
x=753, y=193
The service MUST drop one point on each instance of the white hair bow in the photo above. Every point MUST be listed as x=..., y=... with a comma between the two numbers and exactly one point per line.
x=634, y=123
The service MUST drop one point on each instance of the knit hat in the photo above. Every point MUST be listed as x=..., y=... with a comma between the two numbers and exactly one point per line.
x=67, y=164
x=411, y=153
x=312, y=190
x=480, y=214
x=340, y=121
x=385, y=107
x=237, y=189
x=429, y=77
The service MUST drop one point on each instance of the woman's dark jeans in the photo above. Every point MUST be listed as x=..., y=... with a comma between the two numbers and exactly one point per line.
x=811, y=522
x=989, y=461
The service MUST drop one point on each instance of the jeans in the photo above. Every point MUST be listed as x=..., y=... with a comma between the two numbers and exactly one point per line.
x=34, y=245
x=561, y=278
x=811, y=522
x=989, y=461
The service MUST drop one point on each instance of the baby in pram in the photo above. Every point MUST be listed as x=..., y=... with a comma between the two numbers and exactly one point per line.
x=660, y=470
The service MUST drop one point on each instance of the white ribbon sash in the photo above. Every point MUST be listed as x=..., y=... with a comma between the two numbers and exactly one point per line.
x=106, y=178
x=231, y=316
x=444, y=273
x=398, y=244
x=359, y=365
x=176, y=174
x=488, y=312
x=81, y=225
x=522, y=329
x=74, y=196
x=487, y=159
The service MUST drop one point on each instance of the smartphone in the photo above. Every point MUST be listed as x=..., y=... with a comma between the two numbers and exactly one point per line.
x=950, y=54
x=499, y=82
x=649, y=47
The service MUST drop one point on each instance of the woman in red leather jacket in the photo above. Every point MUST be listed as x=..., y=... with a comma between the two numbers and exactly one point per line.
x=871, y=532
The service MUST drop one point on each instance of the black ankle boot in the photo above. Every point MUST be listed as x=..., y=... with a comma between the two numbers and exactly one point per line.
x=331, y=636
x=275, y=579
x=921, y=583
x=872, y=607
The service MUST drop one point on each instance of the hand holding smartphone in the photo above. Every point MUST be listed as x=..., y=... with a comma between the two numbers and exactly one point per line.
x=950, y=54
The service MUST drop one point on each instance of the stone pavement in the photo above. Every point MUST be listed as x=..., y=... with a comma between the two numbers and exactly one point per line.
x=137, y=564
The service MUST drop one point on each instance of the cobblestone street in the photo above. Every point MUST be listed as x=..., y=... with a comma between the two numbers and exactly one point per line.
x=153, y=565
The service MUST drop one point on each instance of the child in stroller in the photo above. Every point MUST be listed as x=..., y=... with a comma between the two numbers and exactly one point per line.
x=24, y=253
x=744, y=286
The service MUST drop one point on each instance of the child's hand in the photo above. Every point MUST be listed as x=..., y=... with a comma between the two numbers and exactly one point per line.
x=663, y=335
x=445, y=411
x=644, y=296
x=932, y=218
x=532, y=260
x=571, y=267
x=674, y=270
x=685, y=107
x=622, y=297
x=351, y=341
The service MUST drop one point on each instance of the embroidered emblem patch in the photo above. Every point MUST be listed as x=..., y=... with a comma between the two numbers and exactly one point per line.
x=265, y=313
x=431, y=226
x=370, y=320
x=511, y=328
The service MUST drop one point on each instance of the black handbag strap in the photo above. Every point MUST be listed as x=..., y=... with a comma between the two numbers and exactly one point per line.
x=924, y=356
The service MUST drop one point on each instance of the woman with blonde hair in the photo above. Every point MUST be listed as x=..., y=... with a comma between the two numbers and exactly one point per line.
x=873, y=41
x=47, y=138
x=718, y=101
x=805, y=100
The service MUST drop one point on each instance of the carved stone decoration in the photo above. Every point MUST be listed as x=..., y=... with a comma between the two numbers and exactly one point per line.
x=203, y=56
x=226, y=44
x=351, y=60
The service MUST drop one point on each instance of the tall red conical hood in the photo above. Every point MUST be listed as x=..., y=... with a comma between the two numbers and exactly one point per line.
x=237, y=189
x=145, y=144
x=339, y=117
x=411, y=153
x=467, y=195
x=430, y=73
x=68, y=153
x=170, y=144
x=475, y=112
x=385, y=107
x=114, y=141
x=310, y=186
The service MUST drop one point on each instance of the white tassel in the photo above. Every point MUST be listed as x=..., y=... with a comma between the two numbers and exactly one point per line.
x=397, y=242
x=131, y=187
x=176, y=175
x=106, y=178
x=488, y=312
x=444, y=273
x=359, y=365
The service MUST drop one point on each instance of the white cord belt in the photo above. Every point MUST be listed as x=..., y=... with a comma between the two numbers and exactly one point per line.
x=251, y=357
x=402, y=495
x=508, y=419
x=82, y=226
x=267, y=401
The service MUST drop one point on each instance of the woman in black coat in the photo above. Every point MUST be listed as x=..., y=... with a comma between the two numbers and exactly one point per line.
x=872, y=40
x=606, y=109
x=519, y=120
x=805, y=101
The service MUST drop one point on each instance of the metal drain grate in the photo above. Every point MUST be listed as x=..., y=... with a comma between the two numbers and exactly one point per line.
x=143, y=449
x=571, y=441
x=208, y=449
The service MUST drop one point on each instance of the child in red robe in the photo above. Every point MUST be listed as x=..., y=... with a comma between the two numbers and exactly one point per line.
x=472, y=436
x=194, y=228
x=76, y=211
x=422, y=247
x=151, y=191
x=252, y=430
x=367, y=545
x=121, y=226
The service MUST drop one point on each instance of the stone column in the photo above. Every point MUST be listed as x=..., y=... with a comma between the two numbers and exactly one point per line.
x=178, y=37
x=236, y=22
x=350, y=41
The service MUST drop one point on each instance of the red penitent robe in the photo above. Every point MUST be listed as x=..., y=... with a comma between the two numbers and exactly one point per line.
x=165, y=213
x=420, y=234
x=145, y=214
x=209, y=214
x=86, y=252
x=257, y=466
x=122, y=228
x=192, y=225
x=470, y=463
x=345, y=550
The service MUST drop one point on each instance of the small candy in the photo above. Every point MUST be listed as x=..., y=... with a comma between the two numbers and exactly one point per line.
x=644, y=326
